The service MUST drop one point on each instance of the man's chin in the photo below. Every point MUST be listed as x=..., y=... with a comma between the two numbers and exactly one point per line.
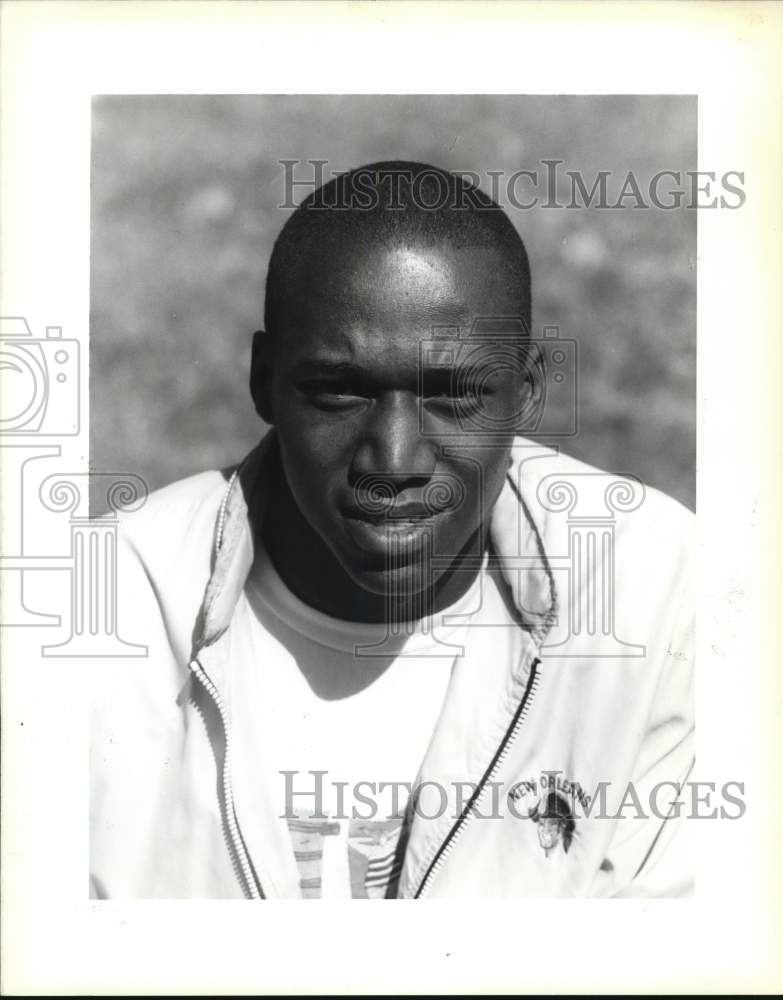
x=400, y=584
x=405, y=573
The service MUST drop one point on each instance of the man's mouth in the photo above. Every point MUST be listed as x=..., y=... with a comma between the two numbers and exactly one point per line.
x=402, y=530
x=393, y=515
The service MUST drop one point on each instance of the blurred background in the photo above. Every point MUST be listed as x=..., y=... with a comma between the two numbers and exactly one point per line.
x=185, y=208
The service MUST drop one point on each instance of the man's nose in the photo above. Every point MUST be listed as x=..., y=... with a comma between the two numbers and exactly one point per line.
x=393, y=444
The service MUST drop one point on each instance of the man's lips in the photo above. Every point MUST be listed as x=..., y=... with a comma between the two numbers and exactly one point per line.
x=404, y=527
x=409, y=512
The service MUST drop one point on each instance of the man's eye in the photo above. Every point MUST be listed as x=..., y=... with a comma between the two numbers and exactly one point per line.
x=446, y=400
x=332, y=396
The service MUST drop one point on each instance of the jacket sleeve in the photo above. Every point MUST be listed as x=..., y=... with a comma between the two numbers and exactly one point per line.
x=134, y=708
x=656, y=844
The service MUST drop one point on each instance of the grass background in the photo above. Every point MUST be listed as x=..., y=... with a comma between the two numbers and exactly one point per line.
x=185, y=196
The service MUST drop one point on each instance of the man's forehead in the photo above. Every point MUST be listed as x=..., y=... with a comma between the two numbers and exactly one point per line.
x=388, y=303
x=359, y=344
x=347, y=336
x=411, y=279
x=385, y=354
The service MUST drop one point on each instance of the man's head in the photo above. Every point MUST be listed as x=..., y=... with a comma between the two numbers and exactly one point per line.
x=555, y=823
x=393, y=366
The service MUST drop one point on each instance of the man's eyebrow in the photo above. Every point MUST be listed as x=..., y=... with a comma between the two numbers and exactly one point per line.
x=326, y=367
x=427, y=373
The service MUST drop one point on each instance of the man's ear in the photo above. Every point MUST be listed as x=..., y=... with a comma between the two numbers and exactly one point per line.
x=261, y=375
x=533, y=387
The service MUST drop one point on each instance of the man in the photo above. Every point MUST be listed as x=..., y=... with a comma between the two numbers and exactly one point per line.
x=397, y=617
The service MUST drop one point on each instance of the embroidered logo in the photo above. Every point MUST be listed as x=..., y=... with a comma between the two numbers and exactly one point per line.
x=551, y=802
x=555, y=822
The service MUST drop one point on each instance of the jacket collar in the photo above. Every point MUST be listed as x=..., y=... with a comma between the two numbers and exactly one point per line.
x=517, y=531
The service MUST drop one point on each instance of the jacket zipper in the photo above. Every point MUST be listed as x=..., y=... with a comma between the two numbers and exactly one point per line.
x=494, y=767
x=235, y=838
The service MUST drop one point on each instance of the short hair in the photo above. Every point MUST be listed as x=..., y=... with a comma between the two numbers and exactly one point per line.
x=393, y=203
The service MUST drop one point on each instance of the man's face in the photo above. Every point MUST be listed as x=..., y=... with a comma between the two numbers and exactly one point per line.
x=548, y=832
x=395, y=450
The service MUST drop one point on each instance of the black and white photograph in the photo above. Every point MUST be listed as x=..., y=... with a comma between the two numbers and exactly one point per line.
x=413, y=548
x=389, y=493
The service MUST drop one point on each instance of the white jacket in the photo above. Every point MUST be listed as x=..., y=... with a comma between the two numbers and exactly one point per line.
x=596, y=697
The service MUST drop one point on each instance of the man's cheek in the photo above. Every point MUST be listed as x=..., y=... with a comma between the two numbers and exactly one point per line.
x=314, y=452
x=482, y=481
x=309, y=479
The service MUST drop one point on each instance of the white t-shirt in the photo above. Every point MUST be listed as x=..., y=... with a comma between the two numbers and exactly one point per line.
x=359, y=704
